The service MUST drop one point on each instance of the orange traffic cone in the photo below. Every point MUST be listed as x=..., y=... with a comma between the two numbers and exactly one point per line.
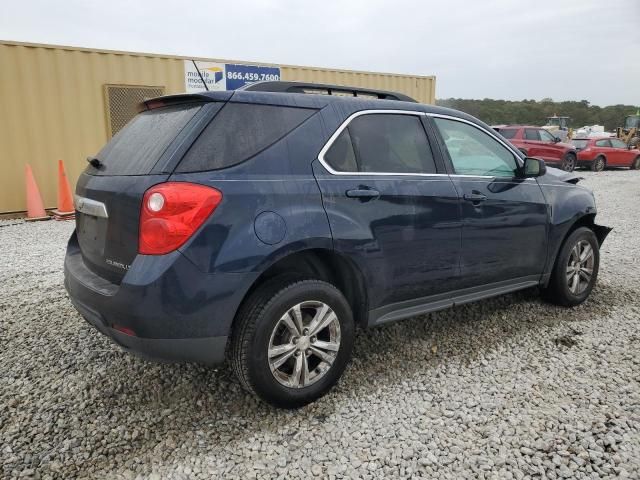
x=65, y=210
x=35, y=207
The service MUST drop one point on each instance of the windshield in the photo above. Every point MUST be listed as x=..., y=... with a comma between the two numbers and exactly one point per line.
x=579, y=143
x=632, y=121
x=553, y=121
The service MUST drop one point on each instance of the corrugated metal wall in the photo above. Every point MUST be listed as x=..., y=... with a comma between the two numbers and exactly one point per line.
x=52, y=105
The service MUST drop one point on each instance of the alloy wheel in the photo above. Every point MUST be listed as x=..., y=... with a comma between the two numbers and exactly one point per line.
x=599, y=166
x=304, y=344
x=569, y=163
x=580, y=267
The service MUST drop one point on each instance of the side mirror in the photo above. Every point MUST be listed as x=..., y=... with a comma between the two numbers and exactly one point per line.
x=533, y=167
x=556, y=139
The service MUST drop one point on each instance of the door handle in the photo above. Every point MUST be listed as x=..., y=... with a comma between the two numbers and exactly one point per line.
x=363, y=193
x=475, y=197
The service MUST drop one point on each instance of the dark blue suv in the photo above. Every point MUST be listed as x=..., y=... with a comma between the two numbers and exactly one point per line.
x=264, y=227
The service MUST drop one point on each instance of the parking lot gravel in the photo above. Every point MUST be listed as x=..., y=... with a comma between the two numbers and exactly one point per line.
x=510, y=387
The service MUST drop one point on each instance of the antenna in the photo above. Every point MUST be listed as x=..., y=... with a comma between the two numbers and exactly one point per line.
x=200, y=75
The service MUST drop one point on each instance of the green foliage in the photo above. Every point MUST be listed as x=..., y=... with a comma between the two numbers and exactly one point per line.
x=530, y=112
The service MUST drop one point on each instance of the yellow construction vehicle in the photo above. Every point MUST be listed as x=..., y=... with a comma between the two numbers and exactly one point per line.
x=559, y=127
x=630, y=132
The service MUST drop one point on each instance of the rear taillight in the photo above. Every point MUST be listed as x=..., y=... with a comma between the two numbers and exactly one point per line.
x=171, y=213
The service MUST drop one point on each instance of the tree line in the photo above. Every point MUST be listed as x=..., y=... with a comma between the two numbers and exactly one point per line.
x=532, y=112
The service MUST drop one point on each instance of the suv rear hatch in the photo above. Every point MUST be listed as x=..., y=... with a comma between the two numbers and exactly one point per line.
x=109, y=193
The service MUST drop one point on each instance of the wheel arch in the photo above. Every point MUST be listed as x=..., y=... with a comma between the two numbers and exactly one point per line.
x=586, y=220
x=322, y=264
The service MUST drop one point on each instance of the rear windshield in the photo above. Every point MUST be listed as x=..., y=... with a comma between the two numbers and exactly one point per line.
x=508, y=132
x=579, y=143
x=136, y=148
x=240, y=131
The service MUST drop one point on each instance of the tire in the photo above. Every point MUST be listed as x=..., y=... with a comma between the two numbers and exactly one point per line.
x=598, y=164
x=562, y=289
x=569, y=162
x=261, y=328
x=635, y=165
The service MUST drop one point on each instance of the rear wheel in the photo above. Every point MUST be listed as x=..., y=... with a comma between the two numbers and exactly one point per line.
x=598, y=164
x=635, y=165
x=576, y=269
x=569, y=162
x=292, y=341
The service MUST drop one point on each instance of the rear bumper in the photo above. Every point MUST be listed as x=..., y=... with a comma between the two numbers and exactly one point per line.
x=208, y=350
x=173, y=311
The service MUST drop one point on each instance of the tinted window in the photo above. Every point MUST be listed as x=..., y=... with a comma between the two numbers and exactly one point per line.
x=473, y=152
x=580, y=143
x=508, y=132
x=136, y=148
x=391, y=143
x=240, y=131
x=531, y=134
x=602, y=143
x=546, y=136
x=617, y=143
x=341, y=156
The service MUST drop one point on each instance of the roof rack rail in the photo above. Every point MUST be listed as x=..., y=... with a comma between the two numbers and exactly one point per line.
x=324, y=89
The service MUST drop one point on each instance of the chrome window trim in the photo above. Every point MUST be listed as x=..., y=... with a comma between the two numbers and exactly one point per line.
x=416, y=113
x=492, y=134
x=346, y=123
x=91, y=207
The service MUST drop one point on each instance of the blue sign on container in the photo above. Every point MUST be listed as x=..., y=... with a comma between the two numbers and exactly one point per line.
x=240, y=75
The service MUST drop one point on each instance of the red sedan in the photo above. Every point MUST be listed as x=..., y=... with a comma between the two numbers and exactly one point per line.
x=537, y=142
x=600, y=152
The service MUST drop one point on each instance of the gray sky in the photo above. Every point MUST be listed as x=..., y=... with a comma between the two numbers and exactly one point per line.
x=563, y=49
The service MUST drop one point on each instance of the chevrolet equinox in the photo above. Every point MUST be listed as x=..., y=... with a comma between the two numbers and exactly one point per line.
x=262, y=226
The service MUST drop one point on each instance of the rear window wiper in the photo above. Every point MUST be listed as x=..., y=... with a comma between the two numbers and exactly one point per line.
x=95, y=162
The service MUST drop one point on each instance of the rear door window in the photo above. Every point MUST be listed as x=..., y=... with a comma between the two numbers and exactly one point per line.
x=382, y=143
x=136, y=148
x=240, y=131
x=531, y=134
x=508, y=132
x=341, y=156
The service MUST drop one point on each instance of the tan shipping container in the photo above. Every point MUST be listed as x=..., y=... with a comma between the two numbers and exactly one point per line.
x=54, y=104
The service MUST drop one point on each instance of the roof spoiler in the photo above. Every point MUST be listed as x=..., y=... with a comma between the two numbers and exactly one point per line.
x=325, y=89
x=166, y=100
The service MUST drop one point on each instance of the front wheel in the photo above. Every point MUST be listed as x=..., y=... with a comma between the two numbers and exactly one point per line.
x=635, y=165
x=569, y=162
x=292, y=341
x=576, y=269
x=598, y=164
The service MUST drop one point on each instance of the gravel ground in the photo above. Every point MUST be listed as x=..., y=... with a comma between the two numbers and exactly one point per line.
x=505, y=388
